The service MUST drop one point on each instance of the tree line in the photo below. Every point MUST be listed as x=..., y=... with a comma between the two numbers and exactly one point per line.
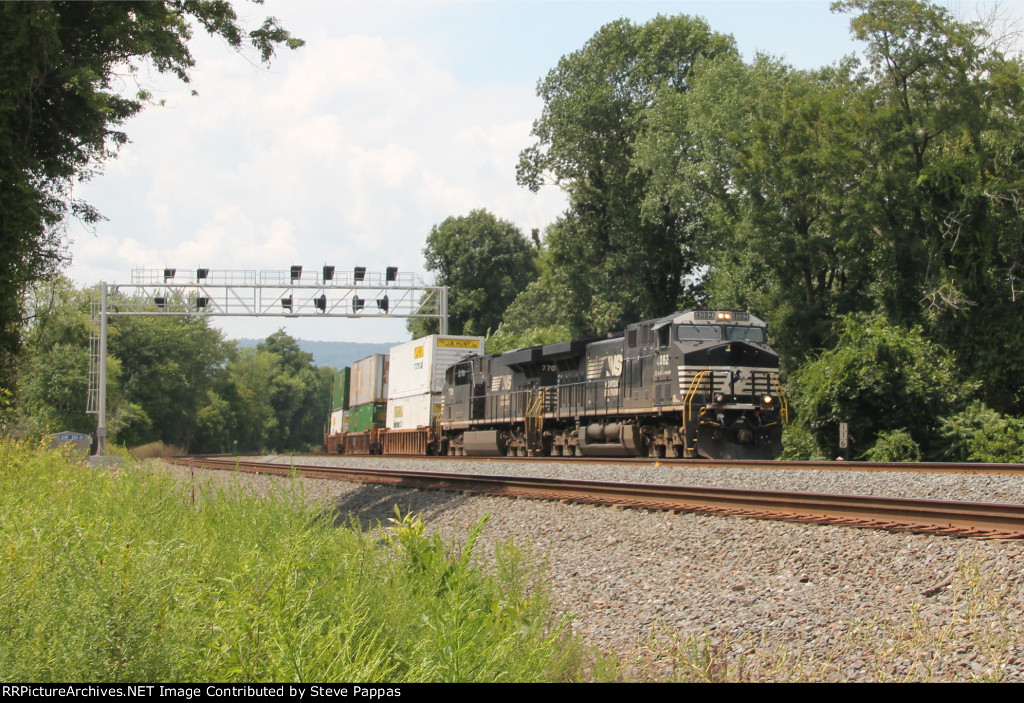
x=174, y=380
x=870, y=211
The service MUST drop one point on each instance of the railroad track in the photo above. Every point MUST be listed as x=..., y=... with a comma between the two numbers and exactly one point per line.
x=955, y=518
x=919, y=467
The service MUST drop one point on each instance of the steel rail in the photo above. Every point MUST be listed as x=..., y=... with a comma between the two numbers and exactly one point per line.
x=965, y=468
x=948, y=517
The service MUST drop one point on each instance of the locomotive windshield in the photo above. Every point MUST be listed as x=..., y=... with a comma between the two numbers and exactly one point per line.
x=714, y=333
x=695, y=333
x=744, y=334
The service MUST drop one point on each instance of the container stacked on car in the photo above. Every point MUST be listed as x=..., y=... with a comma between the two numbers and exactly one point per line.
x=337, y=424
x=368, y=393
x=392, y=401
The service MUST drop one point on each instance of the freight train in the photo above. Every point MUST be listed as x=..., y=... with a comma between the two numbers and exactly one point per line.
x=698, y=383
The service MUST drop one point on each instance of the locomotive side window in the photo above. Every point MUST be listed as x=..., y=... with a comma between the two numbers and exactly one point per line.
x=664, y=335
x=698, y=333
x=461, y=374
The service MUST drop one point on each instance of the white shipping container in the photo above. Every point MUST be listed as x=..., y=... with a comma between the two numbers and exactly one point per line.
x=368, y=382
x=413, y=411
x=339, y=421
x=418, y=367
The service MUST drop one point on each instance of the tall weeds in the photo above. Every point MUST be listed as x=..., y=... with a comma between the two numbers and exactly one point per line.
x=133, y=576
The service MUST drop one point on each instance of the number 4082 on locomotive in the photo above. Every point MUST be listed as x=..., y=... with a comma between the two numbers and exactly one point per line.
x=696, y=383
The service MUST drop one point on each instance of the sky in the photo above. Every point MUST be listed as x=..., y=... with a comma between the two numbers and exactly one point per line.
x=393, y=117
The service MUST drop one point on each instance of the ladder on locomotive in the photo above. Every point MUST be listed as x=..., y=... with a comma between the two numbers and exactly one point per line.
x=535, y=421
x=688, y=410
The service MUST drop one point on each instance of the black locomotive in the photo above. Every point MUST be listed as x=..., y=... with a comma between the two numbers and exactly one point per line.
x=696, y=383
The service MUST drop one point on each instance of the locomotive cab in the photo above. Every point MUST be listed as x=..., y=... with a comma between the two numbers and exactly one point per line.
x=733, y=405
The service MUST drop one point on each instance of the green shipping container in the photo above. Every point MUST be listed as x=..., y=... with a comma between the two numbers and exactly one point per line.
x=367, y=417
x=339, y=391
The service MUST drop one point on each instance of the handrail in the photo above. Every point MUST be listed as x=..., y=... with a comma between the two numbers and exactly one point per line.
x=690, y=393
x=784, y=402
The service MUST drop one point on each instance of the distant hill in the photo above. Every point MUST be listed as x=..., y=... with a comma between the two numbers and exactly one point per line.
x=337, y=355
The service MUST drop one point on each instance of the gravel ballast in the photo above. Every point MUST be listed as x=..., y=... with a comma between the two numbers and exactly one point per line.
x=774, y=600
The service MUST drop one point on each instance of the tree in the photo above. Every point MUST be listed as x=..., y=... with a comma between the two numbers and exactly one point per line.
x=52, y=374
x=879, y=378
x=621, y=263
x=944, y=189
x=979, y=433
x=299, y=394
x=269, y=398
x=61, y=64
x=485, y=262
x=765, y=159
x=53, y=368
x=168, y=366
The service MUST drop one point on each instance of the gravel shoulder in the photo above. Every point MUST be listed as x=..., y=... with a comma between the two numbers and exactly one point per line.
x=776, y=601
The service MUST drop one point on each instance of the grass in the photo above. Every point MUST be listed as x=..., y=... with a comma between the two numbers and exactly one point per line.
x=131, y=576
x=156, y=450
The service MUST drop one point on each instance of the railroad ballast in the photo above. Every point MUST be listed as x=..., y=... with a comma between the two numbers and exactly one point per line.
x=696, y=383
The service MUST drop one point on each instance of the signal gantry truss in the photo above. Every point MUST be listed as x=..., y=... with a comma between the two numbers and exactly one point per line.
x=293, y=293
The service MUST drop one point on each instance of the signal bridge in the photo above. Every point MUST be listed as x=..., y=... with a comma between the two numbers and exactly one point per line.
x=294, y=293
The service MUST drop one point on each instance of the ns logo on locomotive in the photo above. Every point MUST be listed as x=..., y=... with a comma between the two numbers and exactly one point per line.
x=696, y=383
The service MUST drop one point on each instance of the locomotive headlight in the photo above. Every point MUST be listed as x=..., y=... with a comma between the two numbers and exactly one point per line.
x=767, y=400
x=719, y=398
x=726, y=316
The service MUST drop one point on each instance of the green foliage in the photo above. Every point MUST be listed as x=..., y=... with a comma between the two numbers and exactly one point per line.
x=140, y=576
x=53, y=373
x=270, y=397
x=53, y=368
x=169, y=379
x=298, y=393
x=767, y=156
x=941, y=184
x=542, y=313
x=485, y=262
x=879, y=377
x=168, y=365
x=979, y=433
x=800, y=444
x=502, y=341
x=62, y=65
x=619, y=263
x=894, y=445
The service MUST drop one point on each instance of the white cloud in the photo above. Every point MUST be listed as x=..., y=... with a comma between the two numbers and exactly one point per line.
x=345, y=152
